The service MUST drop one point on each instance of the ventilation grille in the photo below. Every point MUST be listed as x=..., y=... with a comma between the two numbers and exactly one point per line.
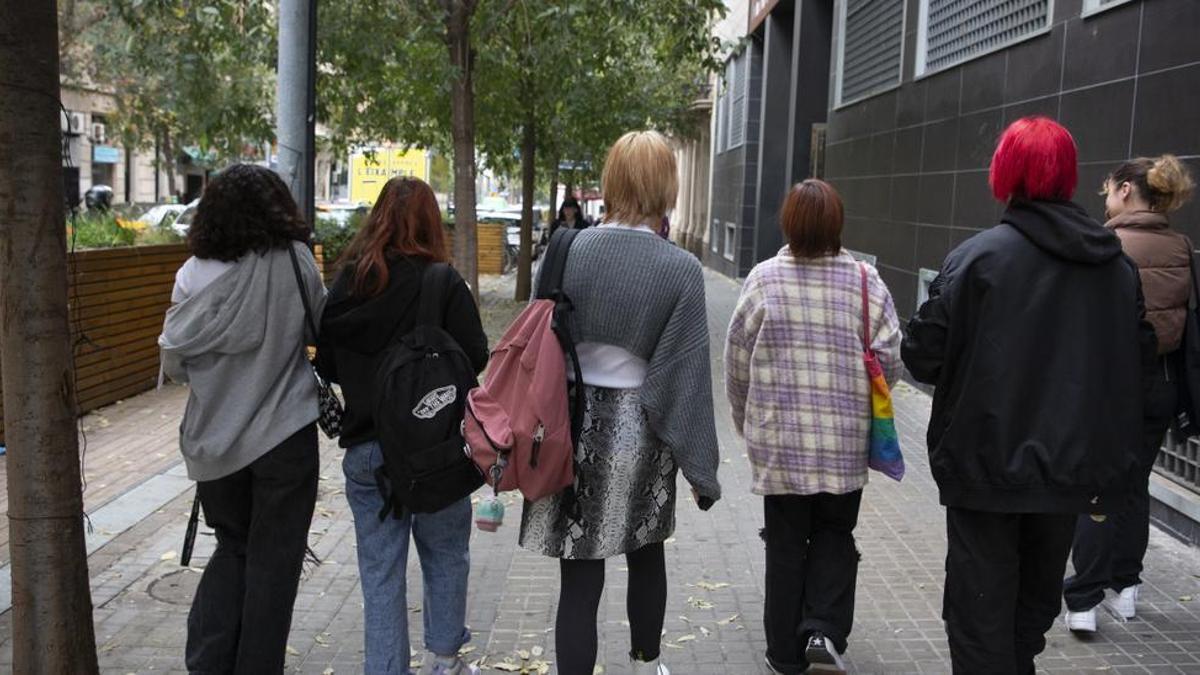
x=1179, y=460
x=959, y=29
x=872, y=38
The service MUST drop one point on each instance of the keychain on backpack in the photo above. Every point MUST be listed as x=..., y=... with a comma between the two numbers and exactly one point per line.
x=489, y=513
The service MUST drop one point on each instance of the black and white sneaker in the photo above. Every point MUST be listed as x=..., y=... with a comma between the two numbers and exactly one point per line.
x=821, y=655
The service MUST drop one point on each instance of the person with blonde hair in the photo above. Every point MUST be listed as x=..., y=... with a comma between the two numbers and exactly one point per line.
x=641, y=336
x=1107, y=554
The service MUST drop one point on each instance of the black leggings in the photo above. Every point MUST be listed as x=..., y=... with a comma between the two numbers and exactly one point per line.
x=579, y=599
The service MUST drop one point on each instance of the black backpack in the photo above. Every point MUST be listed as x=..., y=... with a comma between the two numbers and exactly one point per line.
x=420, y=393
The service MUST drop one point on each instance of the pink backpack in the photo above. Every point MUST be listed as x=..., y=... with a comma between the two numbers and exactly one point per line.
x=520, y=428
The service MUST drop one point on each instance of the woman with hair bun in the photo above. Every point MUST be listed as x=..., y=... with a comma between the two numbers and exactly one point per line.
x=1108, y=554
x=1033, y=335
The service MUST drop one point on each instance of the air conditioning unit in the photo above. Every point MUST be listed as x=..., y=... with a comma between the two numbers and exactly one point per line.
x=98, y=133
x=72, y=122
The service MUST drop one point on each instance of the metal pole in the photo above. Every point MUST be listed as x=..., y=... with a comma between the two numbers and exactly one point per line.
x=295, y=112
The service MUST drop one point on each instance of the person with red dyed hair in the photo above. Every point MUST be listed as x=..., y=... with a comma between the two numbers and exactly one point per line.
x=1035, y=337
x=373, y=302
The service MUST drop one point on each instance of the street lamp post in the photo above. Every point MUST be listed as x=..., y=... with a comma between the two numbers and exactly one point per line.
x=296, y=100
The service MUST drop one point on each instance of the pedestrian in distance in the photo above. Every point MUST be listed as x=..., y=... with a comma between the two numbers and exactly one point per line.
x=1107, y=555
x=374, y=302
x=642, y=342
x=569, y=215
x=1035, y=339
x=800, y=395
x=236, y=335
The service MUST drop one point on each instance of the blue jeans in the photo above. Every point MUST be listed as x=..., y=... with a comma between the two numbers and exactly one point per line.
x=443, y=540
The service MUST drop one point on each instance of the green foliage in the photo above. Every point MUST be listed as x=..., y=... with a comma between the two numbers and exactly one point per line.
x=96, y=229
x=191, y=72
x=334, y=238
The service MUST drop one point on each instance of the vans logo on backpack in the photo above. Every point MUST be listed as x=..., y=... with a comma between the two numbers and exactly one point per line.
x=435, y=401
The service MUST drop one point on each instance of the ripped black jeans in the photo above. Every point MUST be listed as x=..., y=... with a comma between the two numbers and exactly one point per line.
x=812, y=570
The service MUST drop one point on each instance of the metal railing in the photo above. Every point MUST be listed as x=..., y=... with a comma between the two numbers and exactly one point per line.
x=1179, y=460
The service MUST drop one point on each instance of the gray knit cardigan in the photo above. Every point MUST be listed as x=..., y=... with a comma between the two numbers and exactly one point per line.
x=634, y=290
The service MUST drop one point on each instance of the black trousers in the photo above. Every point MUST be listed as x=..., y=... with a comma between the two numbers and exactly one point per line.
x=1004, y=576
x=579, y=599
x=1109, y=554
x=242, y=612
x=812, y=571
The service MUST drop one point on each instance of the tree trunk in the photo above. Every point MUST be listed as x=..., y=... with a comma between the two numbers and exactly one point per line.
x=52, y=609
x=528, y=178
x=553, y=189
x=169, y=160
x=462, y=109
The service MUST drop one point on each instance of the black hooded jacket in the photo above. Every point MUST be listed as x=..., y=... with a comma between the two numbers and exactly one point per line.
x=354, y=331
x=1034, y=335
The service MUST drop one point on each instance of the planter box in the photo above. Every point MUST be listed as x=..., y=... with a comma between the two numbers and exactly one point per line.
x=118, y=298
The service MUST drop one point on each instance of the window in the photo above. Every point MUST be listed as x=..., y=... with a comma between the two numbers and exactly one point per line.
x=870, y=40
x=739, y=79
x=730, y=240
x=1093, y=6
x=924, y=279
x=722, y=102
x=953, y=31
x=714, y=236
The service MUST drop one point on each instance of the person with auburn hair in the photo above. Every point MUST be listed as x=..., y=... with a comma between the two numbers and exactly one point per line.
x=642, y=340
x=235, y=334
x=1139, y=195
x=374, y=302
x=801, y=397
x=1034, y=335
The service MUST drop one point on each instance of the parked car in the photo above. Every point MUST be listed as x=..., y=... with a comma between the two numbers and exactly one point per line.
x=161, y=215
x=184, y=221
x=340, y=212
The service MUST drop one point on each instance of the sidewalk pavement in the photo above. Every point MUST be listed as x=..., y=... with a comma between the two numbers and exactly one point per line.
x=715, y=563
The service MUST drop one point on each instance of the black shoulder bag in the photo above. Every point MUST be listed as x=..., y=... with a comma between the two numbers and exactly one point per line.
x=329, y=405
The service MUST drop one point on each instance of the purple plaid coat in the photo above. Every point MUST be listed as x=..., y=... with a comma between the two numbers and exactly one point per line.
x=794, y=371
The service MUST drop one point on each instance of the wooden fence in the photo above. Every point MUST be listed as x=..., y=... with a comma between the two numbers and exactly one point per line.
x=118, y=298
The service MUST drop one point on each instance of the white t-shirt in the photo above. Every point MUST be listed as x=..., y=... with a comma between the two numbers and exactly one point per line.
x=195, y=274
x=609, y=366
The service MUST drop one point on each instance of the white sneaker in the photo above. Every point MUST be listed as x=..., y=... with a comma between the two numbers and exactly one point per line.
x=654, y=667
x=821, y=655
x=1082, y=622
x=445, y=665
x=1124, y=604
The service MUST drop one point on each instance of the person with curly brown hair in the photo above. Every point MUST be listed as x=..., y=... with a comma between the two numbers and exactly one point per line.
x=235, y=335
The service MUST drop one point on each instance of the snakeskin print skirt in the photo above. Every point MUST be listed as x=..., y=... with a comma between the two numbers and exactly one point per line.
x=624, y=494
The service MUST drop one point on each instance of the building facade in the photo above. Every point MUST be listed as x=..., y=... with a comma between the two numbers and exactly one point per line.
x=901, y=112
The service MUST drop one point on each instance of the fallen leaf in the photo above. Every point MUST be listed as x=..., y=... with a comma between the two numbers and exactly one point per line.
x=523, y=653
x=598, y=670
x=169, y=555
x=1185, y=598
x=685, y=638
x=537, y=651
x=507, y=666
x=670, y=541
x=699, y=603
x=466, y=650
x=712, y=585
x=327, y=671
x=321, y=641
x=292, y=650
x=704, y=631
x=672, y=645
x=726, y=622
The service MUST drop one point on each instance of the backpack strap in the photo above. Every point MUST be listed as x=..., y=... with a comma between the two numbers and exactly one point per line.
x=435, y=285
x=308, y=313
x=866, y=308
x=551, y=279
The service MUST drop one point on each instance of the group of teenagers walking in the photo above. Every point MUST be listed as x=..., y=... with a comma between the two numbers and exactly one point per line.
x=1053, y=342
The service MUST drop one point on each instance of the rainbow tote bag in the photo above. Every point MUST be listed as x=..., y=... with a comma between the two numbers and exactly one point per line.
x=884, y=454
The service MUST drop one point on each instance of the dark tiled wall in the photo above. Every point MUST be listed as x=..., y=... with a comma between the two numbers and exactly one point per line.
x=734, y=183
x=912, y=163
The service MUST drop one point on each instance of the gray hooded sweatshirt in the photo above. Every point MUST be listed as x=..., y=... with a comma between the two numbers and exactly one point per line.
x=239, y=344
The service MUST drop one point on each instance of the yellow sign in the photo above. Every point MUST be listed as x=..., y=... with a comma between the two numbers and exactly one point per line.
x=368, y=173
